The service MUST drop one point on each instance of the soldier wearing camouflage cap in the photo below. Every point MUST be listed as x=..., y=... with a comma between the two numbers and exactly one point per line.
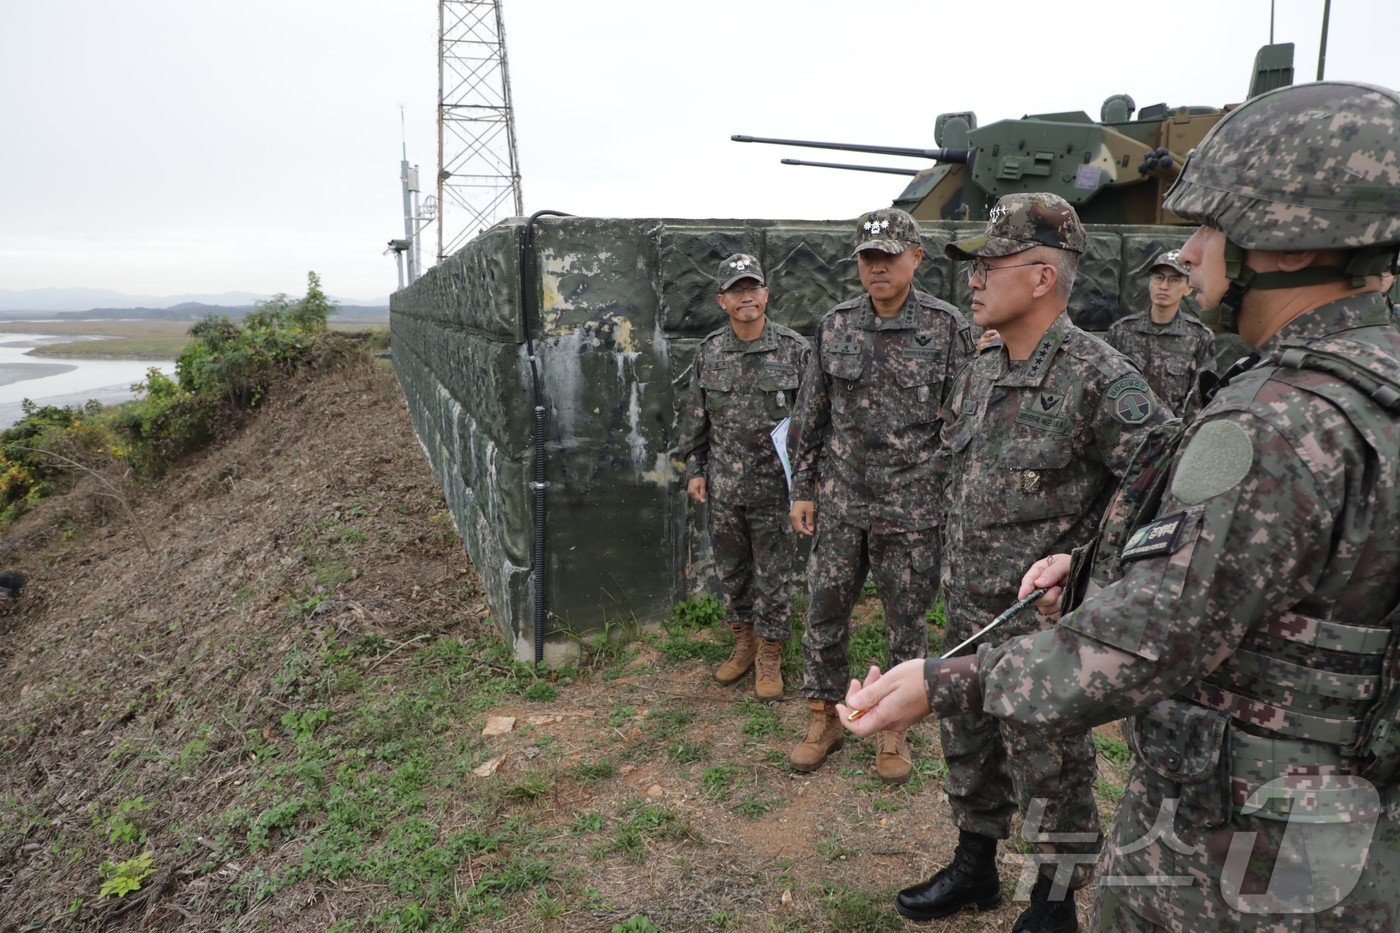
x=1243, y=598
x=1170, y=348
x=743, y=384
x=863, y=440
x=1043, y=424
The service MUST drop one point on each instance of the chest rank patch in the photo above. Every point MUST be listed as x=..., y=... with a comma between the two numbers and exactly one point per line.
x=922, y=346
x=847, y=342
x=1046, y=411
x=1131, y=400
x=1156, y=539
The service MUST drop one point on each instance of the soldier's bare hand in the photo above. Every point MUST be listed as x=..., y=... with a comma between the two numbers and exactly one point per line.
x=1051, y=573
x=894, y=700
x=697, y=488
x=987, y=337
x=804, y=516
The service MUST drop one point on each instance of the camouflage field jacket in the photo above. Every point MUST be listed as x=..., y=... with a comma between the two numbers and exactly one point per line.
x=1034, y=450
x=1169, y=355
x=738, y=393
x=865, y=432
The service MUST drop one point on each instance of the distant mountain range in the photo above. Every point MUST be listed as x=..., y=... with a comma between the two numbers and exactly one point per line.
x=104, y=303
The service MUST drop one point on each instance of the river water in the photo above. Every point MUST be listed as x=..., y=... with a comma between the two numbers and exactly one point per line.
x=53, y=381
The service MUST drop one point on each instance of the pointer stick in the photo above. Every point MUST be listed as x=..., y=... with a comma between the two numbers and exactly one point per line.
x=1016, y=607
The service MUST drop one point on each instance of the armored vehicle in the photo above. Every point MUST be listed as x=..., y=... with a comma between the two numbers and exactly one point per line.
x=1114, y=171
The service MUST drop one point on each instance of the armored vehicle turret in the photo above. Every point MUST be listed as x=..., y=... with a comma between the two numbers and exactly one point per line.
x=1115, y=170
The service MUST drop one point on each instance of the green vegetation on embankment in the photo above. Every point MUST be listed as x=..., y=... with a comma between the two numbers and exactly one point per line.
x=222, y=370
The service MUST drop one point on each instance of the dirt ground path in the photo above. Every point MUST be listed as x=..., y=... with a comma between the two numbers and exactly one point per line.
x=260, y=704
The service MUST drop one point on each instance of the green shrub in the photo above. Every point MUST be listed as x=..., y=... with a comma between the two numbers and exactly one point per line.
x=224, y=370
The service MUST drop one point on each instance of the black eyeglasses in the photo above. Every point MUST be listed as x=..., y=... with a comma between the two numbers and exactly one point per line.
x=1166, y=278
x=749, y=289
x=979, y=269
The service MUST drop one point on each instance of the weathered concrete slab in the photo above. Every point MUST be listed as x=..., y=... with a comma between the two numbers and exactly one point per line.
x=620, y=307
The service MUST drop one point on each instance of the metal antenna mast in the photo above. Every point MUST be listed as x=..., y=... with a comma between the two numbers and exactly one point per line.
x=478, y=170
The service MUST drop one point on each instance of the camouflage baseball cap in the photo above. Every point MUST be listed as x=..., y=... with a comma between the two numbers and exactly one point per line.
x=1172, y=260
x=890, y=230
x=1309, y=166
x=736, y=267
x=1021, y=221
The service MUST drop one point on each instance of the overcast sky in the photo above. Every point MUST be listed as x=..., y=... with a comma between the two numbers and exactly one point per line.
x=170, y=146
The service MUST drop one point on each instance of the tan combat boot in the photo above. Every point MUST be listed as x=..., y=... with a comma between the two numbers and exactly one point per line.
x=825, y=734
x=768, y=675
x=742, y=659
x=892, y=759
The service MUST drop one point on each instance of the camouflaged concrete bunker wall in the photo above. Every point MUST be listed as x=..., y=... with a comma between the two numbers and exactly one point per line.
x=623, y=304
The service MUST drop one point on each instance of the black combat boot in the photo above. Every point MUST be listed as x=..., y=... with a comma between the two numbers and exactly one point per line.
x=1045, y=915
x=971, y=879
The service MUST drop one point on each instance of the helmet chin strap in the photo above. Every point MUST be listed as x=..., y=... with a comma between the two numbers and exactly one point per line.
x=1226, y=316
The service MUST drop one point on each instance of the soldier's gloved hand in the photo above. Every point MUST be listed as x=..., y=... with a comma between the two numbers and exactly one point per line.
x=697, y=488
x=1051, y=573
x=804, y=516
x=894, y=700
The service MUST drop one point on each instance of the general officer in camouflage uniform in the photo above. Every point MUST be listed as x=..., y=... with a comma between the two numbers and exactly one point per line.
x=1249, y=611
x=1045, y=422
x=863, y=443
x=744, y=382
x=1169, y=347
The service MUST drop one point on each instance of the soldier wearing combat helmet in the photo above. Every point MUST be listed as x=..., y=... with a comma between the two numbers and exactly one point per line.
x=1250, y=577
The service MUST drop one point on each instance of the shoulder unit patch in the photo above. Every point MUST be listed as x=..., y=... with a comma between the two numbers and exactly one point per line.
x=1131, y=400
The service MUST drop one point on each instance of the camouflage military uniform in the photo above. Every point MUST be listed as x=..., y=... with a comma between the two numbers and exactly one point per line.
x=738, y=393
x=1034, y=454
x=1169, y=355
x=1252, y=625
x=863, y=441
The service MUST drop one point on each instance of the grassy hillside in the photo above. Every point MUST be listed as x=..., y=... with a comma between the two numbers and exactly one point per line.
x=265, y=693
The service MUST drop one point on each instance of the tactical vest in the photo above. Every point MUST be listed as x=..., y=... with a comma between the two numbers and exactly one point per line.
x=1315, y=692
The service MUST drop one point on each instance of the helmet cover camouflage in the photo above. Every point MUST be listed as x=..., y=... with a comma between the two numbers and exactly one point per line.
x=1311, y=166
x=890, y=230
x=1020, y=222
x=736, y=267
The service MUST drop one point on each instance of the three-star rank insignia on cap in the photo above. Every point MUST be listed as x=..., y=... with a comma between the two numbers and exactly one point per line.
x=876, y=226
x=1131, y=400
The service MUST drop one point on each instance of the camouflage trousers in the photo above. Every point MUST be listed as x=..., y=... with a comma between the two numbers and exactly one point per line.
x=904, y=566
x=1167, y=869
x=753, y=549
x=993, y=767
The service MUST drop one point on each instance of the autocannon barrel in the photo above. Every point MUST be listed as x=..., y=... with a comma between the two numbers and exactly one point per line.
x=854, y=168
x=942, y=155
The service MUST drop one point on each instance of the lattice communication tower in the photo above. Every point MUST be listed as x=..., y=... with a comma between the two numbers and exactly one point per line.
x=478, y=169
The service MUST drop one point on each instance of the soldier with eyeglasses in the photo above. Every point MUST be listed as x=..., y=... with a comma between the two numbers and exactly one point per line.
x=1170, y=347
x=1041, y=426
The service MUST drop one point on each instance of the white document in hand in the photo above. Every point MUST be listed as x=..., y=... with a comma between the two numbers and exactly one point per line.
x=779, y=436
